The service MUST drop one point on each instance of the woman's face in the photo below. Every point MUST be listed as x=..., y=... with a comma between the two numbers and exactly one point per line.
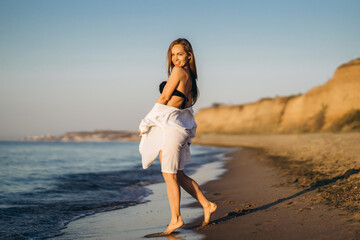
x=178, y=56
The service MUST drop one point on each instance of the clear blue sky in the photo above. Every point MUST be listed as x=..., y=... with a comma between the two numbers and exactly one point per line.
x=72, y=65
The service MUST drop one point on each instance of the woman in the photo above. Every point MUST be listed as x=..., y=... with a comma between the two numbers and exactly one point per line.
x=168, y=128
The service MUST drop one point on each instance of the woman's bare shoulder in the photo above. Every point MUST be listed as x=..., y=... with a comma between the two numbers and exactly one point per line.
x=179, y=72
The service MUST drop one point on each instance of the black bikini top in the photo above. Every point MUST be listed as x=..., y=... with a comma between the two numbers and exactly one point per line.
x=175, y=93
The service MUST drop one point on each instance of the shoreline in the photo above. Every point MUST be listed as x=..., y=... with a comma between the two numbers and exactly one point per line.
x=257, y=196
x=134, y=222
x=263, y=196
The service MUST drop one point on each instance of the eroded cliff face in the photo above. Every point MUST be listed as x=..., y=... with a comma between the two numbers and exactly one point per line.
x=333, y=106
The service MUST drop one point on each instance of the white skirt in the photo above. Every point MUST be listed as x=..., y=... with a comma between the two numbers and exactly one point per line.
x=173, y=144
x=170, y=130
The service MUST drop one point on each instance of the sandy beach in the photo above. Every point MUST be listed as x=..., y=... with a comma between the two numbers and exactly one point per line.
x=286, y=187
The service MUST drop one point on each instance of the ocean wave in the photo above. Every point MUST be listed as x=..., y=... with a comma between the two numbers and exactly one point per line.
x=44, y=212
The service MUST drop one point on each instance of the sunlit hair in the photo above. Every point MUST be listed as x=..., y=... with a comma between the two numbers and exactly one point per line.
x=193, y=73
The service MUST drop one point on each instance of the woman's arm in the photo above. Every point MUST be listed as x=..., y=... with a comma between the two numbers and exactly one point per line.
x=173, y=81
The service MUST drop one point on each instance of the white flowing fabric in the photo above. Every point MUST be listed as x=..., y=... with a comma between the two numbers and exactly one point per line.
x=168, y=129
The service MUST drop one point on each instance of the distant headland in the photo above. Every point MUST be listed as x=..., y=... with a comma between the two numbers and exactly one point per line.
x=93, y=136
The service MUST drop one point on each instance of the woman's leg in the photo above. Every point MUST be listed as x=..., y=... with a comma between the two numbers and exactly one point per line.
x=173, y=192
x=194, y=190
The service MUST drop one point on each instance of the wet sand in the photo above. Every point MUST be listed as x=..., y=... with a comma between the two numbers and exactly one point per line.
x=286, y=187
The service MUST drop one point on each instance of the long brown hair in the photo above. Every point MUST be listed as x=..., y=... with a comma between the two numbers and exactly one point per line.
x=193, y=73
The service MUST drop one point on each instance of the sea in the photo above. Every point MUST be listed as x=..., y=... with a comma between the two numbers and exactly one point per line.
x=46, y=185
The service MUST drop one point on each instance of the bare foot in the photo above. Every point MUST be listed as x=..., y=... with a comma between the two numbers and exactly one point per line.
x=173, y=226
x=207, y=213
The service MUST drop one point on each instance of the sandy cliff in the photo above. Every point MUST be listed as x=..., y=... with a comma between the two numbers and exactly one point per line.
x=333, y=106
